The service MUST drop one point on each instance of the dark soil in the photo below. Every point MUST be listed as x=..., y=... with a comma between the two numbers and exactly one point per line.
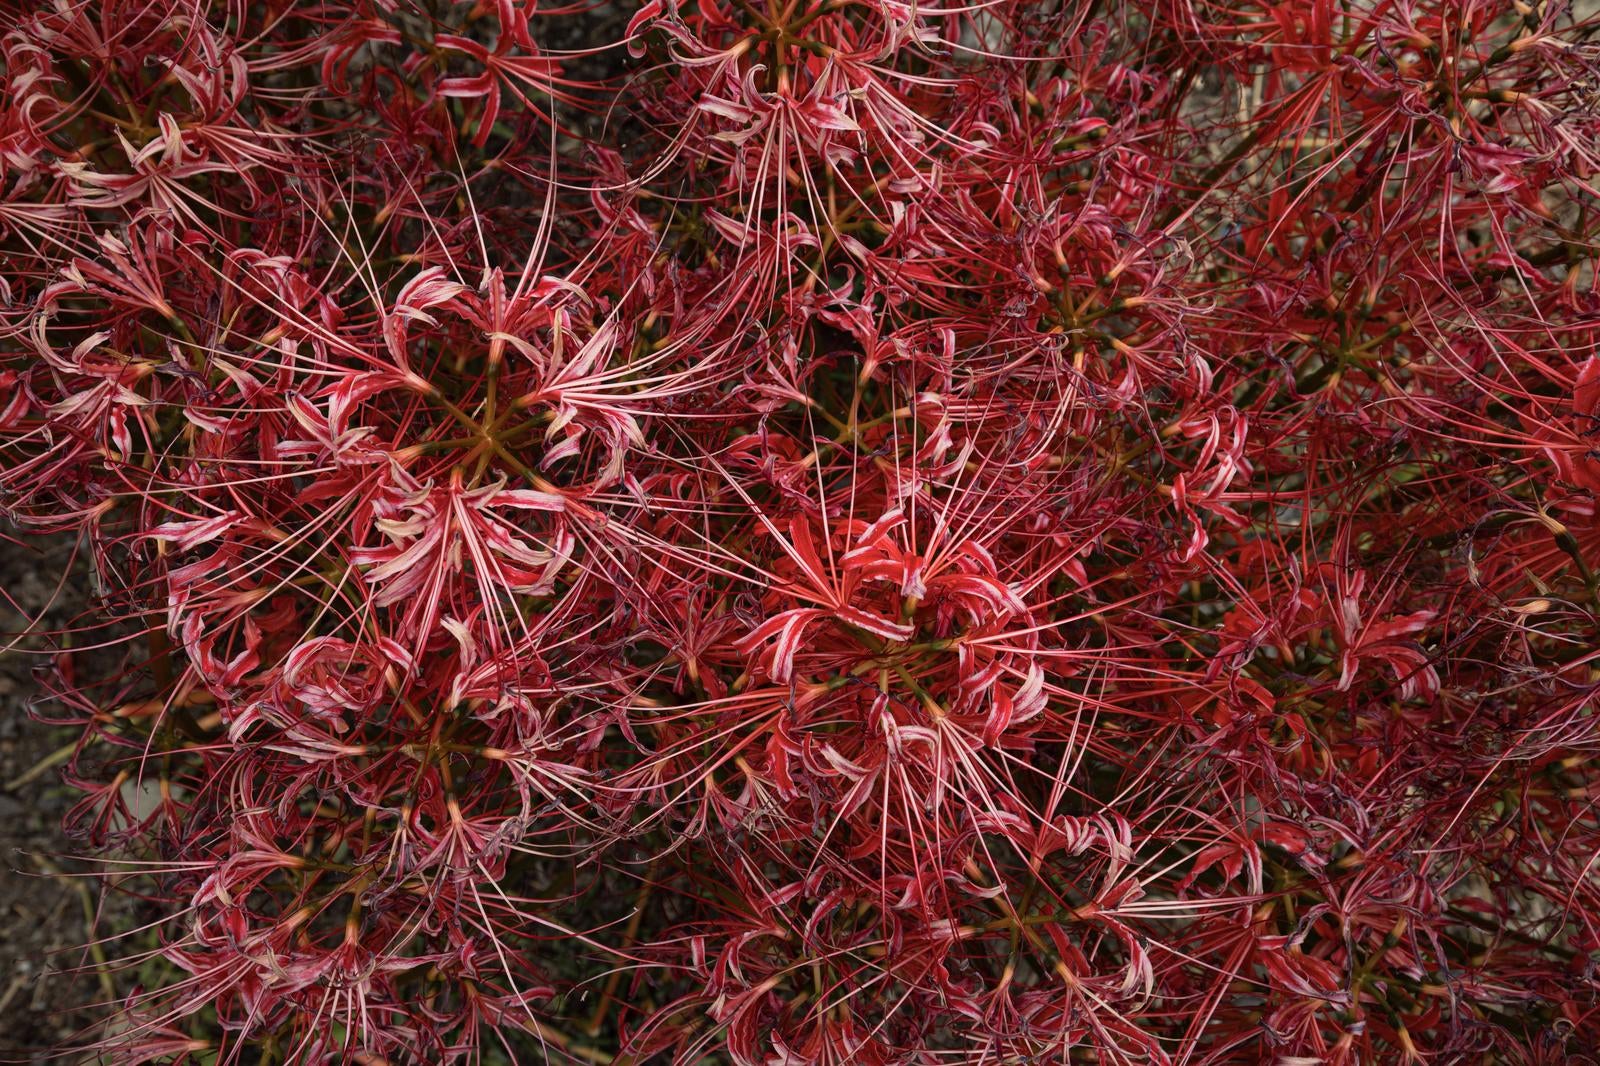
x=46, y=918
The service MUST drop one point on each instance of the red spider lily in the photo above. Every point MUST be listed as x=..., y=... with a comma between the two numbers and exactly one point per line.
x=1571, y=452
x=435, y=531
x=1361, y=638
x=536, y=72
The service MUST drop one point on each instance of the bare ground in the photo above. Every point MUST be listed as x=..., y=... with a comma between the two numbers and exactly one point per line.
x=46, y=917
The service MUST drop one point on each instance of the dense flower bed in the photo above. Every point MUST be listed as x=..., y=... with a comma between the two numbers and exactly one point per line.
x=823, y=531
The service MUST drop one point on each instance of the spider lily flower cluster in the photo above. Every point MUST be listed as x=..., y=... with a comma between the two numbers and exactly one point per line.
x=821, y=531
